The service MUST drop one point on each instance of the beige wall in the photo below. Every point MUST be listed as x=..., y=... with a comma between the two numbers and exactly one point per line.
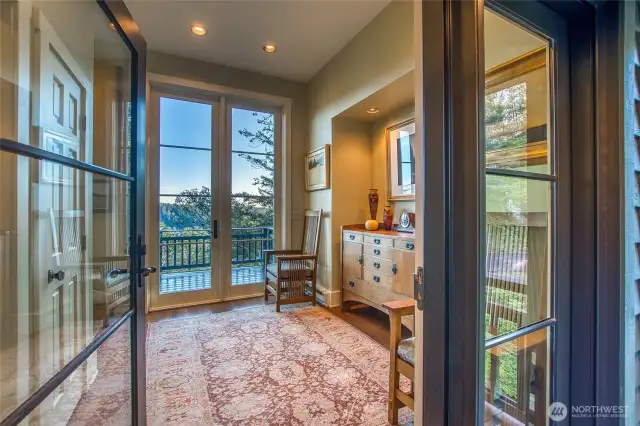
x=176, y=66
x=381, y=53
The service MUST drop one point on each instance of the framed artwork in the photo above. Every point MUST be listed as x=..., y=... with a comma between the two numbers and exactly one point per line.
x=401, y=160
x=316, y=172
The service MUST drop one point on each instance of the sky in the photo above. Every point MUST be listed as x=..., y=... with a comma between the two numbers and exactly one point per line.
x=189, y=124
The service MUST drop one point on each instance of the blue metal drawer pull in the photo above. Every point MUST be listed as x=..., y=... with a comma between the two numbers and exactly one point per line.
x=394, y=269
x=352, y=237
x=376, y=240
x=376, y=278
x=410, y=246
x=352, y=284
x=376, y=264
x=376, y=252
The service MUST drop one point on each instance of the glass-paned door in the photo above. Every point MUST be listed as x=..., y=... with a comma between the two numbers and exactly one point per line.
x=71, y=291
x=522, y=274
x=251, y=155
x=187, y=201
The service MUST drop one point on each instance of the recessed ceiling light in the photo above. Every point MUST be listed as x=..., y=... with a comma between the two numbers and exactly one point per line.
x=373, y=110
x=269, y=47
x=198, y=30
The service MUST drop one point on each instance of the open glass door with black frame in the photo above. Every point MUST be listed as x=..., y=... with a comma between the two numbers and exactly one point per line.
x=71, y=236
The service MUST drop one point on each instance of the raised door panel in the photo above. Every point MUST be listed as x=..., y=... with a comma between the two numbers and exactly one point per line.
x=351, y=260
x=405, y=265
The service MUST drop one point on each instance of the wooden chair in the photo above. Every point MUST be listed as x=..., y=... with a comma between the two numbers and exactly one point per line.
x=295, y=271
x=402, y=353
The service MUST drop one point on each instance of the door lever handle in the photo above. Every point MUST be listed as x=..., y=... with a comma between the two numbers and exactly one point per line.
x=57, y=275
x=115, y=272
x=148, y=270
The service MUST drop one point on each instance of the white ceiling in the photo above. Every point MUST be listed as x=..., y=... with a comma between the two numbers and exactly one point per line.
x=397, y=95
x=307, y=33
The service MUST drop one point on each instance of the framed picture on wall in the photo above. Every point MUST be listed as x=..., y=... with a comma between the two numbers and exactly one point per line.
x=316, y=172
x=401, y=160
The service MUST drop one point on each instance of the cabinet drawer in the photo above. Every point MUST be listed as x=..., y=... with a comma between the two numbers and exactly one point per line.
x=352, y=236
x=379, y=266
x=378, y=279
x=384, y=252
x=370, y=291
x=378, y=241
x=405, y=244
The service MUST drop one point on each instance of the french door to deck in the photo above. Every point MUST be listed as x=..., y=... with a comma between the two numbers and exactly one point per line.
x=213, y=164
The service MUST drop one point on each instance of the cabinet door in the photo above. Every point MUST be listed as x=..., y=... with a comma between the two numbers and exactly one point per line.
x=403, y=280
x=351, y=260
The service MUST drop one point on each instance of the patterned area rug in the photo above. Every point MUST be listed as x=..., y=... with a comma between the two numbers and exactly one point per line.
x=303, y=366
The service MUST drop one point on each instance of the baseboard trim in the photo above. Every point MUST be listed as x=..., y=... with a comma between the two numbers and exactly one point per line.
x=204, y=302
x=328, y=298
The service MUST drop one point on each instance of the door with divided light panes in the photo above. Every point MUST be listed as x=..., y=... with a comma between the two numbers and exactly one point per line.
x=71, y=231
x=497, y=214
x=213, y=164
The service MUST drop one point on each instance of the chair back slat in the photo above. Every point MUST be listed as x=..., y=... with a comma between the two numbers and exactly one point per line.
x=311, y=233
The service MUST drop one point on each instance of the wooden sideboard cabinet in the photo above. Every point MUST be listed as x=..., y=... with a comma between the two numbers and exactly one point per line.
x=377, y=267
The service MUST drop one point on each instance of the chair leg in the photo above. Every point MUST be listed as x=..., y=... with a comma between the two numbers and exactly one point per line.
x=313, y=291
x=278, y=295
x=394, y=403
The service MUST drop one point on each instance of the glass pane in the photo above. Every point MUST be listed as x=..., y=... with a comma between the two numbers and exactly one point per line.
x=185, y=171
x=252, y=184
x=517, y=381
x=185, y=243
x=185, y=123
x=97, y=393
x=516, y=101
x=517, y=263
x=78, y=87
x=252, y=131
x=64, y=268
x=252, y=174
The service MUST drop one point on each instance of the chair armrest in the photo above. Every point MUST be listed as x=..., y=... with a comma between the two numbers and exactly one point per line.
x=290, y=257
x=400, y=307
x=269, y=253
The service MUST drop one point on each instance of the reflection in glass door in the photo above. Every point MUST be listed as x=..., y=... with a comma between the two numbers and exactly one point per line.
x=252, y=141
x=69, y=328
x=521, y=191
x=186, y=229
